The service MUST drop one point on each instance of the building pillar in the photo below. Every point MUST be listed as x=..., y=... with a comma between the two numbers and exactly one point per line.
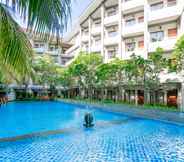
x=120, y=30
x=165, y=97
x=123, y=50
x=123, y=95
x=80, y=38
x=146, y=33
x=136, y=97
x=102, y=30
x=89, y=39
x=181, y=98
x=105, y=94
x=182, y=24
x=146, y=97
x=59, y=56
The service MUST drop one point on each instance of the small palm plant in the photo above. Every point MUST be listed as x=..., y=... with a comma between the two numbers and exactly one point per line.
x=41, y=17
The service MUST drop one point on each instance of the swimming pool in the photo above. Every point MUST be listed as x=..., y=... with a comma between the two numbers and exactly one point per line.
x=120, y=139
x=20, y=118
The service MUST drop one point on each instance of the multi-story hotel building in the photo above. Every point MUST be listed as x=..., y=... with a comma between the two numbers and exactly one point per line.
x=119, y=28
x=52, y=48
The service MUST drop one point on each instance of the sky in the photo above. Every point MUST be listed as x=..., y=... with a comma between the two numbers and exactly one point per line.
x=78, y=7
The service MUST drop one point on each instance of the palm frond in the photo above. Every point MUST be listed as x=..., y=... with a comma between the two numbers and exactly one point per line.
x=45, y=16
x=15, y=48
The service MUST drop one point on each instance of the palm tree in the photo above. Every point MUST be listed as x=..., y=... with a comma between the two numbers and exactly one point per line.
x=43, y=17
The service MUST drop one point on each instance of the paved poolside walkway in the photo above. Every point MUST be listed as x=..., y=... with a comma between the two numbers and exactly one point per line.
x=172, y=117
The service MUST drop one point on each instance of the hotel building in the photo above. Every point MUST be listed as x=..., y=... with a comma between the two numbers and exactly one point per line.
x=120, y=28
x=56, y=50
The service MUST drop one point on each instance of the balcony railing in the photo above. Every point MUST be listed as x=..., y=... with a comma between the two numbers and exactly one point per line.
x=164, y=14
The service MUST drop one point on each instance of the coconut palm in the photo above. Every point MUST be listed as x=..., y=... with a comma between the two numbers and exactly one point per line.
x=42, y=17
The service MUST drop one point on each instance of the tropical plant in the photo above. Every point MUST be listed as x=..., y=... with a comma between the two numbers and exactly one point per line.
x=43, y=17
x=158, y=64
x=45, y=70
x=65, y=78
x=177, y=61
x=84, y=69
x=110, y=74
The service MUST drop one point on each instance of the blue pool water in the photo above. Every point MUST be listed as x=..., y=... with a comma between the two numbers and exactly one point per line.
x=130, y=140
x=19, y=118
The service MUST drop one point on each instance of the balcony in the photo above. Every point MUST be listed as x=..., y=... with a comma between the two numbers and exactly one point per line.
x=96, y=48
x=133, y=30
x=39, y=49
x=53, y=52
x=71, y=50
x=137, y=52
x=111, y=20
x=96, y=30
x=85, y=38
x=132, y=6
x=165, y=14
x=111, y=38
x=167, y=44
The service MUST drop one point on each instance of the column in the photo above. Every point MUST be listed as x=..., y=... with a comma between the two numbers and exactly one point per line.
x=136, y=97
x=181, y=98
x=89, y=26
x=102, y=30
x=181, y=32
x=146, y=33
x=146, y=96
x=123, y=95
x=59, y=55
x=120, y=30
x=80, y=38
x=165, y=97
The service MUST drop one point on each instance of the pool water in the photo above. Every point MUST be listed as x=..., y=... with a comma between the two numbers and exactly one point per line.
x=132, y=140
x=20, y=118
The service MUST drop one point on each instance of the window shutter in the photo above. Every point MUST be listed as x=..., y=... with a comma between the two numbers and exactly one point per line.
x=172, y=32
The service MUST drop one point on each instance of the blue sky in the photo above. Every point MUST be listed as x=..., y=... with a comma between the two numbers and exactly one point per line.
x=78, y=7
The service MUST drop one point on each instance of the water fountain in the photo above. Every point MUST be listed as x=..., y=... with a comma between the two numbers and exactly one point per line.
x=88, y=120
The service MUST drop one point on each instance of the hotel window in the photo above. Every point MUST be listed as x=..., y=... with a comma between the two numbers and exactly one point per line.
x=157, y=36
x=40, y=53
x=55, y=58
x=112, y=53
x=157, y=6
x=86, y=47
x=130, y=46
x=97, y=40
x=141, y=19
x=97, y=23
x=52, y=47
x=171, y=3
x=112, y=31
x=172, y=32
x=85, y=31
x=38, y=45
x=111, y=11
x=130, y=22
x=141, y=44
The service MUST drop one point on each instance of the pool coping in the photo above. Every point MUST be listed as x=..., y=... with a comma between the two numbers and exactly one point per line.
x=160, y=115
x=62, y=131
